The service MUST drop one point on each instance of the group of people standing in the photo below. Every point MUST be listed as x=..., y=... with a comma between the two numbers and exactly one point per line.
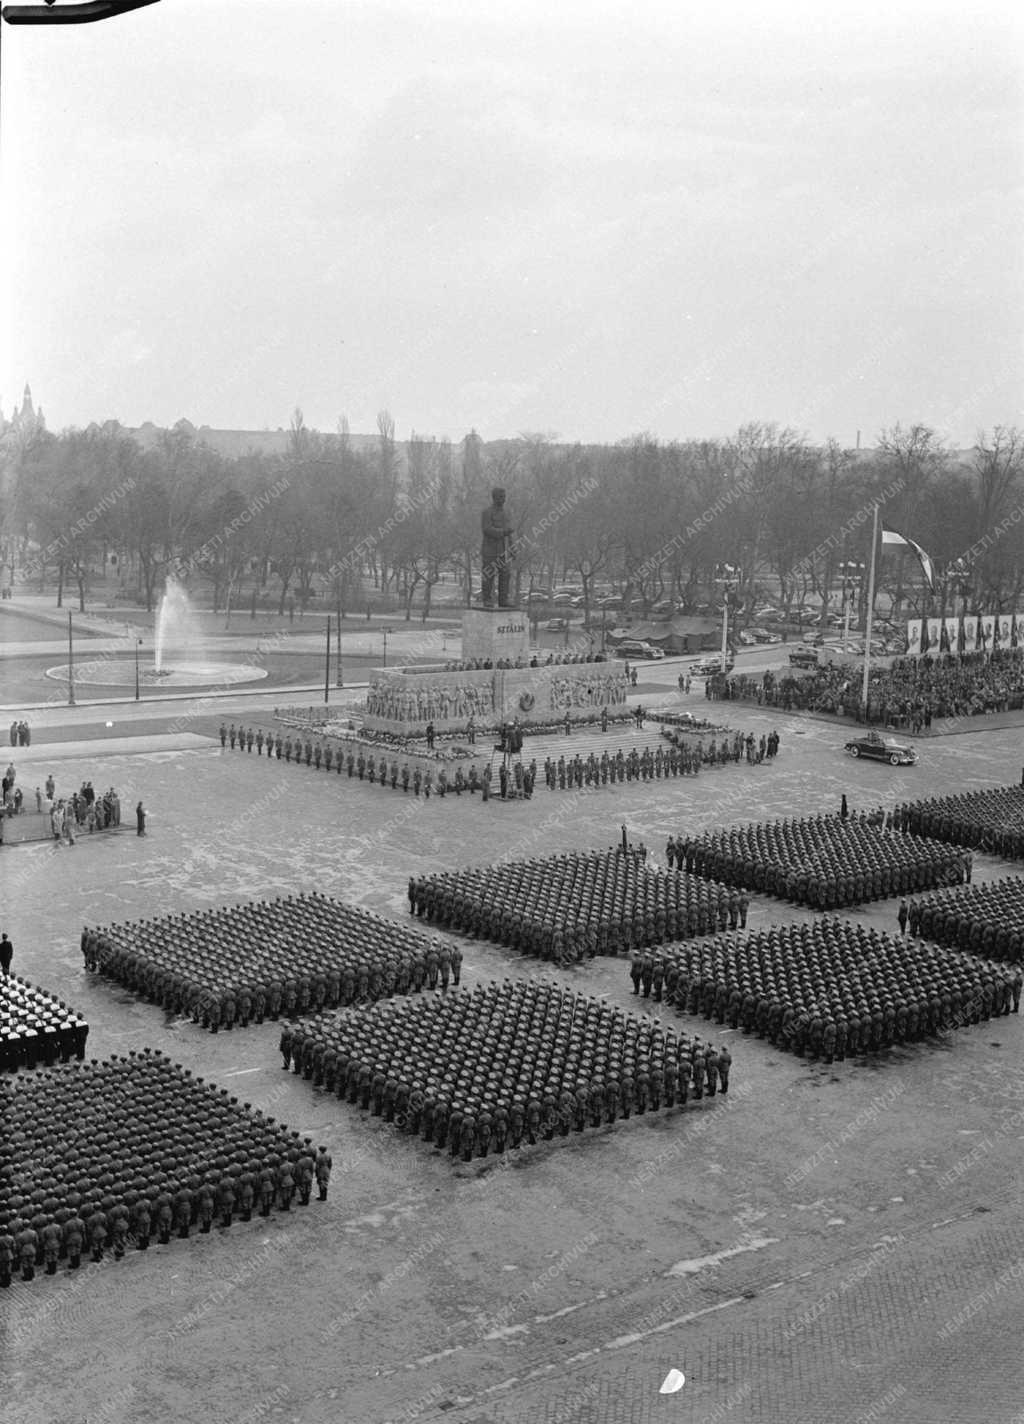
x=21, y=734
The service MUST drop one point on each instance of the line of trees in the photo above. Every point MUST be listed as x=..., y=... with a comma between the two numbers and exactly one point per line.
x=652, y=520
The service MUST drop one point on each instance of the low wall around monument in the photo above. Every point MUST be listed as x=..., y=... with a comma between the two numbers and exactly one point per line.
x=403, y=702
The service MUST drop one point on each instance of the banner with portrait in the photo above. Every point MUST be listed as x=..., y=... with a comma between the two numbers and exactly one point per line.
x=987, y=624
x=915, y=628
x=1004, y=622
x=934, y=626
x=971, y=633
x=951, y=632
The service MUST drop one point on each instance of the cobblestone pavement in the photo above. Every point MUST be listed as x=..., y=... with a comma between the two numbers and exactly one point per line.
x=802, y=1250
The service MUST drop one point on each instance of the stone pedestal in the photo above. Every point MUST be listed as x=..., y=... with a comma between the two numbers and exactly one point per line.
x=402, y=701
x=490, y=634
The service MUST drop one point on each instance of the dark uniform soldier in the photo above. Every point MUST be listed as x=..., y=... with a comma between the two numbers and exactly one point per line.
x=7, y=1254
x=73, y=1233
x=322, y=1172
x=51, y=1243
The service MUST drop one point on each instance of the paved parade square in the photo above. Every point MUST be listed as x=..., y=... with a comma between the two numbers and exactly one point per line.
x=818, y=1221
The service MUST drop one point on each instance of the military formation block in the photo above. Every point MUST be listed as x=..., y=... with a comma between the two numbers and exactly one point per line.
x=241, y=964
x=503, y=1065
x=823, y=861
x=832, y=988
x=568, y=907
x=98, y=1157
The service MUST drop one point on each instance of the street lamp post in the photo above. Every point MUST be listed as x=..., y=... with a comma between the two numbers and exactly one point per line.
x=386, y=631
x=138, y=645
x=340, y=679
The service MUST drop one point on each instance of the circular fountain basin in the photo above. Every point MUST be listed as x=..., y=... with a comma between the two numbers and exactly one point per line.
x=119, y=672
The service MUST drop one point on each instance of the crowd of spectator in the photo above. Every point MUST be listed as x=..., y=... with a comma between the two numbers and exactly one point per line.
x=910, y=694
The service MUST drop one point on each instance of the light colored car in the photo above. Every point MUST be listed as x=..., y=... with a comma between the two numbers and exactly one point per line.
x=708, y=667
x=555, y=625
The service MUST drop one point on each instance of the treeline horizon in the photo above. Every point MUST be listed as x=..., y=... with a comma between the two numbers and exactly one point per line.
x=655, y=520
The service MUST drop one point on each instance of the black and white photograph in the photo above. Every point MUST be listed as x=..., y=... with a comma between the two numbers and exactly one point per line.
x=512, y=644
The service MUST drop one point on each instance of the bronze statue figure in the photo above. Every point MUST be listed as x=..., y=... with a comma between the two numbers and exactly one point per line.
x=496, y=551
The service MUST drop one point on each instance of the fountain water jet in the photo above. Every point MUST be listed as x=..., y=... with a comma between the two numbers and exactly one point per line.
x=177, y=627
x=179, y=643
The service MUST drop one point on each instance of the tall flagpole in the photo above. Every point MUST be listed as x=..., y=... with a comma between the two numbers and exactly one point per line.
x=871, y=612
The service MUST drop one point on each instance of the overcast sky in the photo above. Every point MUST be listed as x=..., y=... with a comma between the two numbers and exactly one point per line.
x=585, y=218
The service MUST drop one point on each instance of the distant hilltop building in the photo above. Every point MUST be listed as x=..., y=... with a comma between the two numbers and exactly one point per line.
x=24, y=422
x=234, y=443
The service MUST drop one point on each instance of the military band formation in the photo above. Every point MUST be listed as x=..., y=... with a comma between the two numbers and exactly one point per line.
x=825, y=862
x=100, y=1157
x=502, y=1065
x=831, y=988
x=36, y=1028
x=567, y=908
x=241, y=964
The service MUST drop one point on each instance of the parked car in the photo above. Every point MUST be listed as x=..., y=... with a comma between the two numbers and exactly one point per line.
x=637, y=648
x=555, y=625
x=803, y=656
x=879, y=748
x=562, y=600
x=708, y=667
x=747, y=639
x=762, y=635
x=610, y=602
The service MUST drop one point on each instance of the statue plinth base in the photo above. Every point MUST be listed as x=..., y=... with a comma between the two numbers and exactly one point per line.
x=493, y=634
x=404, y=700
